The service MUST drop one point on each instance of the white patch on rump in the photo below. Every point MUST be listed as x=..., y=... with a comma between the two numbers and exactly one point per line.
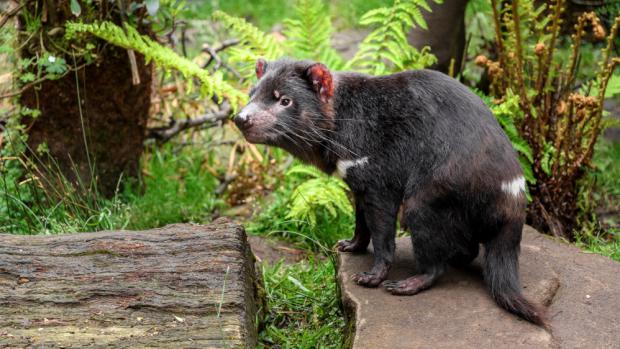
x=515, y=187
x=343, y=165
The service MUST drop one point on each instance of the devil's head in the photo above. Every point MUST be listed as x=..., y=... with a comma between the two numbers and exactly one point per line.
x=290, y=105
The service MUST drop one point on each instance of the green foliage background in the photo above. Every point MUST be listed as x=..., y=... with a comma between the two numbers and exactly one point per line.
x=308, y=208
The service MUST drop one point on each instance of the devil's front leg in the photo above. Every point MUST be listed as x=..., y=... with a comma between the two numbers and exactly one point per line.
x=361, y=237
x=380, y=211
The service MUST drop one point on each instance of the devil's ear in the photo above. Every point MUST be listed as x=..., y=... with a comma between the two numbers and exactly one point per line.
x=261, y=67
x=321, y=80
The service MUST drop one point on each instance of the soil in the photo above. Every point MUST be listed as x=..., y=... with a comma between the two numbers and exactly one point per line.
x=270, y=251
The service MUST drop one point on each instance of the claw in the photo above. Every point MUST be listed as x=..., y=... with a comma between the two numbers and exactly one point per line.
x=350, y=246
x=367, y=279
x=389, y=284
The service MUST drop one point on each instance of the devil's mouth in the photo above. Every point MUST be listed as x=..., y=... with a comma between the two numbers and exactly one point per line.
x=253, y=135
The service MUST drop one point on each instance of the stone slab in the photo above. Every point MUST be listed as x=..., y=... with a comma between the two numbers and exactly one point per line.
x=581, y=289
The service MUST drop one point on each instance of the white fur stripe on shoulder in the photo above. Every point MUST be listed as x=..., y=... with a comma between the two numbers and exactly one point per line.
x=515, y=187
x=343, y=165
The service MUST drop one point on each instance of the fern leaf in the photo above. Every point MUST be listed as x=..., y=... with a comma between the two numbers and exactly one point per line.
x=166, y=58
x=254, y=43
x=309, y=33
x=320, y=193
x=386, y=48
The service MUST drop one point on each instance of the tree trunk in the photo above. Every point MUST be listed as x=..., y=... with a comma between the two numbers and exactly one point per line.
x=93, y=121
x=182, y=286
x=104, y=138
x=445, y=34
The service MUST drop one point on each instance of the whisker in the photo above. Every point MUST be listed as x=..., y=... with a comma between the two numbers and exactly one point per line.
x=284, y=134
x=331, y=141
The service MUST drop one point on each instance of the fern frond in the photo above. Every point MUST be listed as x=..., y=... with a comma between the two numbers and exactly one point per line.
x=254, y=43
x=386, y=49
x=164, y=57
x=320, y=193
x=309, y=33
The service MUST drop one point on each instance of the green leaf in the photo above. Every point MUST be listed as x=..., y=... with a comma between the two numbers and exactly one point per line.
x=547, y=160
x=152, y=6
x=76, y=9
x=27, y=77
x=54, y=65
x=298, y=284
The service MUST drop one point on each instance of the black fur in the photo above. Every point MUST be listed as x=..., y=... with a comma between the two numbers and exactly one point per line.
x=433, y=149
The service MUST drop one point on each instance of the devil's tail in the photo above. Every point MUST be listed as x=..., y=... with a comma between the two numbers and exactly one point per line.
x=501, y=274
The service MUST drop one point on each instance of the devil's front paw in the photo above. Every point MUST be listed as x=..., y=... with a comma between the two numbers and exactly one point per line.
x=369, y=279
x=351, y=246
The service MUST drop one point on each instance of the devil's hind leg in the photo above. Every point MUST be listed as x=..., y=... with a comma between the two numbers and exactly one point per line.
x=432, y=243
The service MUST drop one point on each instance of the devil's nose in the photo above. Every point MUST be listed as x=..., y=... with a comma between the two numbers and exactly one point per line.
x=242, y=120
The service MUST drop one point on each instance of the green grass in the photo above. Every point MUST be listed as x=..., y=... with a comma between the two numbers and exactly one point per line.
x=266, y=14
x=303, y=309
x=601, y=232
x=62, y=207
x=607, y=174
x=176, y=187
x=606, y=244
x=263, y=13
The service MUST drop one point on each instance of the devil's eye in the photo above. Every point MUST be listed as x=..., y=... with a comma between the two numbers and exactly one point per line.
x=285, y=102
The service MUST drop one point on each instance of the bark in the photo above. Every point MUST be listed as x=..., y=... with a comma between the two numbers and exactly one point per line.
x=183, y=286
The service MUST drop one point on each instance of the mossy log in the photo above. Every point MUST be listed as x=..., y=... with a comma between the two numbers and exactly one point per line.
x=181, y=286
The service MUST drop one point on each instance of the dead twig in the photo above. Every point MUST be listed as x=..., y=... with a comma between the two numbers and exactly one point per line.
x=39, y=81
x=213, y=51
x=133, y=64
x=164, y=134
x=229, y=178
x=24, y=88
x=10, y=13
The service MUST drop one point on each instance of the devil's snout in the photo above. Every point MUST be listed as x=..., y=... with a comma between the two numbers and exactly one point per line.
x=243, y=119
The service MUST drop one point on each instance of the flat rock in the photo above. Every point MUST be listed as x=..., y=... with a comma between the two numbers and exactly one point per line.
x=181, y=286
x=582, y=291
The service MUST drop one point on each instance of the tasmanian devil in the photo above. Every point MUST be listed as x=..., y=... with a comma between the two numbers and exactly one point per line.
x=419, y=140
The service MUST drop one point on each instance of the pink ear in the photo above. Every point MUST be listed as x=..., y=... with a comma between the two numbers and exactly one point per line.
x=260, y=68
x=321, y=80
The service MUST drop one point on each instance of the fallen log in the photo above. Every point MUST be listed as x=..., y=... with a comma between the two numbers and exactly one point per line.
x=181, y=286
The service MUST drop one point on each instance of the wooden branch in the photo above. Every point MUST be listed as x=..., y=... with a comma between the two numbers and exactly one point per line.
x=164, y=134
x=133, y=65
x=38, y=81
x=229, y=178
x=213, y=52
x=21, y=90
x=10, y=13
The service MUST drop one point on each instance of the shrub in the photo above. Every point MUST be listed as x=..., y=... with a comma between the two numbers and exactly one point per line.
x=559, y=121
